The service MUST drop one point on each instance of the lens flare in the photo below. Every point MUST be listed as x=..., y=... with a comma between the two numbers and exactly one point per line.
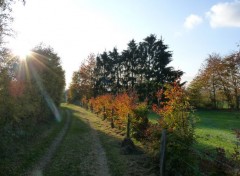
x=20, y=49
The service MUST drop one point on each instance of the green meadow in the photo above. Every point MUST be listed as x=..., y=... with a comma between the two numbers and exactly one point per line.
x=213, y=129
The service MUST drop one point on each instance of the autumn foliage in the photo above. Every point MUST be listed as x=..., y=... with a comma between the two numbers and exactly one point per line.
x=114, y=108
x=175, y=116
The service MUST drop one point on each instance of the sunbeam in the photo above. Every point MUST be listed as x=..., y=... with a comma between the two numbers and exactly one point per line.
x=46, y=96
x=28, y=70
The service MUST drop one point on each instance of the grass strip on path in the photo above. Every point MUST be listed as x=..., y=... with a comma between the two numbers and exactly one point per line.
x=80, y=151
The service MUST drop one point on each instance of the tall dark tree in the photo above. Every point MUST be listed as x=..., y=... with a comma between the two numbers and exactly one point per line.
x=129, y=57
x=141, y=67
x=156, y=69
x=117, y=68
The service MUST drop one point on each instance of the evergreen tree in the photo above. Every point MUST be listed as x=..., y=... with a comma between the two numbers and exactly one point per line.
x=141, y=67
x=117, y=68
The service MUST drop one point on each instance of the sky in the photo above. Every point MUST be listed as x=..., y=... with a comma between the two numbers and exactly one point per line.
x=192, y=29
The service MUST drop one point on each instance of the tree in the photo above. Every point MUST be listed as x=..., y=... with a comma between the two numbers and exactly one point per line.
x=217, y=82
x=232, y=72
x=31, y=89
x=86, y=76
x=83, y=81
x=7, y=62
x=117, y=70
x=156, y=70
x=48, y=64
x=177, y=119
x=5, y=4
x=103, y=72
x=141, y=67
x=6, y=75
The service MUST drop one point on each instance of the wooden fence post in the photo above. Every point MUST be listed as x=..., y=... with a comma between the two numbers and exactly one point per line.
x=112, y=123
x=128, y=126
x=91, y=107
x=104, y=113
x=163, y=153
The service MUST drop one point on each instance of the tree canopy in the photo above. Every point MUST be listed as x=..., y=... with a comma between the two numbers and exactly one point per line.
x=217, y=83
x=31, y=89
x=142, y=67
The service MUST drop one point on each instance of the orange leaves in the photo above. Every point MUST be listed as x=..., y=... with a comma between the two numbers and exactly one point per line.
x=159, y=95
x=123, y=105
x=175, y=102
x=156, y=108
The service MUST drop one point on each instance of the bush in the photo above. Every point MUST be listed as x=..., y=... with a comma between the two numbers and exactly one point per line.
x=140, y=121
x=177, y=119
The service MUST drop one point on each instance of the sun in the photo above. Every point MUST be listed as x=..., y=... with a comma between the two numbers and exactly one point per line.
x=21, y=50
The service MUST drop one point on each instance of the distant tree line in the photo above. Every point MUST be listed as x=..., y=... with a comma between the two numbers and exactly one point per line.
x=217, y=84
x=143, y=67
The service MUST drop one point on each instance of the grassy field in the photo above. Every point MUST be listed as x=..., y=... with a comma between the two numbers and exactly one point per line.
x=214, y=129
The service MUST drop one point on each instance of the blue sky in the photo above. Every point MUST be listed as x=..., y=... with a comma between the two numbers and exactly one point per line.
x=192, y=29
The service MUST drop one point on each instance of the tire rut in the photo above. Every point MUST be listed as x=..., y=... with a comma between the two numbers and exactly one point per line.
x=102, y=168
x=46, y=158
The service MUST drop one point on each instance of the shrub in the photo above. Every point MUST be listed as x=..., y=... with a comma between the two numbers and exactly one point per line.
x=176, y=117
x=123, y=105
x=140, y=121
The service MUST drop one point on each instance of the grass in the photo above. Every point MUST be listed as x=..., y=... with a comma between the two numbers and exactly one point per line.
x=20, y=151
x=70, y=158
x=153, y=117
x=214, y=129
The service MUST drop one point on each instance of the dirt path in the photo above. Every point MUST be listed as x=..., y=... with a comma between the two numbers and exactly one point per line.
x=71, y=151
x=131, y=165
x=90, y=147
x=43, y=162
x=97, y=151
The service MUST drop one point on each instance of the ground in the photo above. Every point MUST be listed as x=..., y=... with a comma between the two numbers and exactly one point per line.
x=86, y=145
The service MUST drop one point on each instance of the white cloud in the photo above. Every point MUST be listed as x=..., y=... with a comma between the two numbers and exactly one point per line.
x=192, y=21
x=225, y=15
